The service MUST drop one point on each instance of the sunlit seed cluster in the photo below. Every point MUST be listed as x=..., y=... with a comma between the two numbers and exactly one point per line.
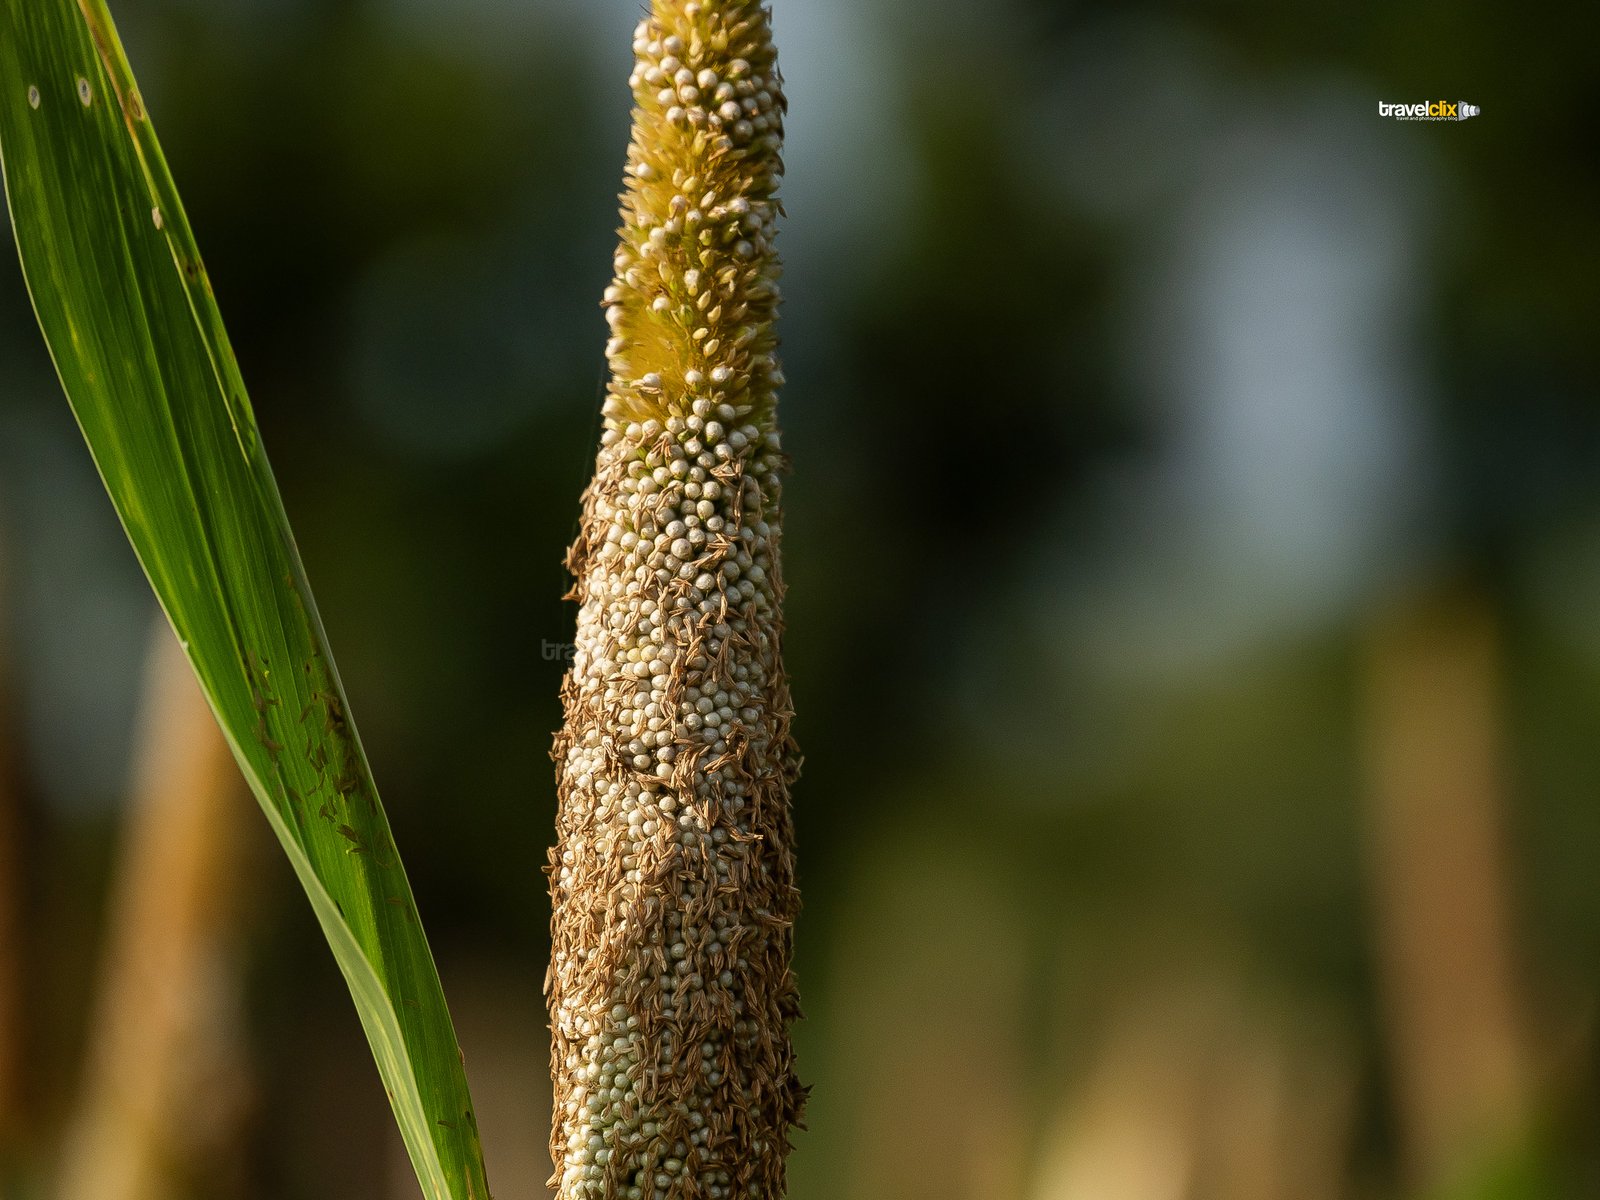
x=670, y=987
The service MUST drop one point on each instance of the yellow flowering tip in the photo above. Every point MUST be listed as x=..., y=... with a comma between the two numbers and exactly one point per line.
x=695, y=293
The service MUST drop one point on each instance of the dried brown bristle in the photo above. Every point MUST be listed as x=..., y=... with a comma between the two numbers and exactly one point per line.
x=670, y=988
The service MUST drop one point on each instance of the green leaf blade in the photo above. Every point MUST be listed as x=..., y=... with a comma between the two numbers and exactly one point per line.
x=126, y=307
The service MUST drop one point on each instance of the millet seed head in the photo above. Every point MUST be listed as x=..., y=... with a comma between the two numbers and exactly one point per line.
x=670, y=988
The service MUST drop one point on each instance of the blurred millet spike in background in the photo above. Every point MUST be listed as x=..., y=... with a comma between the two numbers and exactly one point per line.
x=167, y=1022
x=1468, y=1070
x=670, y=987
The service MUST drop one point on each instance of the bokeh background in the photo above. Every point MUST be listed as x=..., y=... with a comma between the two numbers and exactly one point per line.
x=1194, y=561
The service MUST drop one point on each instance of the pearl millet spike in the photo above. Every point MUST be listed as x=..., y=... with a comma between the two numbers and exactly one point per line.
x=670, y=989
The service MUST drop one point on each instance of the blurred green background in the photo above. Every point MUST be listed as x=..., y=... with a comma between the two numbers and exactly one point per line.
x=1194, y=561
